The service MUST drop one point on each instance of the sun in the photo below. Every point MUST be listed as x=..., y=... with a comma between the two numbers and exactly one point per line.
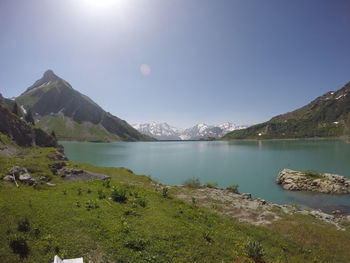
x=103, y=4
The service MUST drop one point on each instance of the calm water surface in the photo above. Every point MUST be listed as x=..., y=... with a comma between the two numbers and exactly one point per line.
x=253, y=165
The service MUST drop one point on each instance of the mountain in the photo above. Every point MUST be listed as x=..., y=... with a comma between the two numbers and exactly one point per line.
x=163, y=131
x=326, y=116
x=58, y=107
x=160, y=131
x=20, y=132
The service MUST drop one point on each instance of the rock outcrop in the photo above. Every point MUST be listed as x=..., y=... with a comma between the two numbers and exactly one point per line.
x=20, y=174
x=315, y=182
x=22, y=133
x=73, y=175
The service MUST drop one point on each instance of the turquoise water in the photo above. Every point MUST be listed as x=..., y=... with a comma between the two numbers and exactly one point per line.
x=254, y=165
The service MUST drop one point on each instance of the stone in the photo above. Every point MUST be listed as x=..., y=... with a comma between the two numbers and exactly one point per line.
x=56, y=166
x=44, y=178
x=246, y=196
x=8, y=178
x=17, y=170
x=26, y=178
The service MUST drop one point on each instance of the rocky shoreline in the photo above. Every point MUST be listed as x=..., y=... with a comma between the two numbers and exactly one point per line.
x=312, y=181
x=257, y=211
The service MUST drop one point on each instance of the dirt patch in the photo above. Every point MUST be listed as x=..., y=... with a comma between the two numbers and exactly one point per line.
x=74, y=175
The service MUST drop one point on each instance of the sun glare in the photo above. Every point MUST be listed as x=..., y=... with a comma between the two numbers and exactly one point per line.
x=105, y=5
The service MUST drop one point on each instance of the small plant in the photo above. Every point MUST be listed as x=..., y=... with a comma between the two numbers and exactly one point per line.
x=211, y=184
x=89, y=191
x=165, y=192
x=255, y=251
x=233, y=188
x=192, y=183
x=106, y=183
x=19, y=246
x=79, y=191
x=137, y=244
x=23, y=225
x=64, y=192
x=194, y=201
x=312, y=174
x=91, y=204
x=208, y=237
x=119, y=195
x=101, y=194
x=141, y=201
x=77, y=204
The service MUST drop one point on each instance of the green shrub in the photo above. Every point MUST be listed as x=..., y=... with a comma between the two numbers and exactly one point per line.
x=137, y=244
x=208, y=237
x=141, y=201
x=23, y=225
x=211, y=184
x=106, y=183
x=233, y=188
x=91, y=204
x=165, y=192
x=101, y=194
x=192, y=183
x=119, y=194
x=19, y=246
x=255, y=250
x=79, y=191
x=312, y=174
x=194, y=201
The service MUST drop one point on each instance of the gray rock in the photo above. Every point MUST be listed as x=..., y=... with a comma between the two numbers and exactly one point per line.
x=44, y=178
x=26, y=178
x=16, y=171
x=9, y=178
x=246, y=196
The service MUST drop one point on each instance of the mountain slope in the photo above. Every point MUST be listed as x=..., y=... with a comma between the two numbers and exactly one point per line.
x=56, y=104
x=163, y=131
x=326, y=116
x=20, y=132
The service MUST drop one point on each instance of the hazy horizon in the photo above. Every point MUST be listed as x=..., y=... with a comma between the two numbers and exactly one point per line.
x=182, y=62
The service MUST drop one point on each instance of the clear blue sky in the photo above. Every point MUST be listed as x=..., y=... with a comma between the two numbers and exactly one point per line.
x=211, y=61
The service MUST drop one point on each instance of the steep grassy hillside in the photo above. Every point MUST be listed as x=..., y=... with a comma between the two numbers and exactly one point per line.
x=52, y=96
x=326, y=116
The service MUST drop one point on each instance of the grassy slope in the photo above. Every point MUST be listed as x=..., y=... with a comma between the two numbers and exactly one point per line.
x=67, y=129
x=166, y=230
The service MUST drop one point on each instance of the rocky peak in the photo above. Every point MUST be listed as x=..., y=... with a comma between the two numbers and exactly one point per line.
x=49, y=76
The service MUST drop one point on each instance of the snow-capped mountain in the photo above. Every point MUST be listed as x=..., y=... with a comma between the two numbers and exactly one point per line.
x=160, y=131
x=164, y=131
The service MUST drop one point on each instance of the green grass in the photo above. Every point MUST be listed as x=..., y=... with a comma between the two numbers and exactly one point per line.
x=74, y=219
x=67, y=129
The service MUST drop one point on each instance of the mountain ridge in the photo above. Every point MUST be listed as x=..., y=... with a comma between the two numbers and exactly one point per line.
x=326, y=116
x=164, y=131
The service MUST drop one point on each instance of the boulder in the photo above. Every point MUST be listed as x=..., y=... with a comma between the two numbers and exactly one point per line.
x=26, y=178
x=311, y=181
x=56, y=166
x=9, y=178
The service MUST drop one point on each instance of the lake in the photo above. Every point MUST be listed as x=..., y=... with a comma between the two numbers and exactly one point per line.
x=253, y=165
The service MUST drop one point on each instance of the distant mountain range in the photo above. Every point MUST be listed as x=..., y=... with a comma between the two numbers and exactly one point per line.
x=164, y=131
x=326, y=116
x=56, y=106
